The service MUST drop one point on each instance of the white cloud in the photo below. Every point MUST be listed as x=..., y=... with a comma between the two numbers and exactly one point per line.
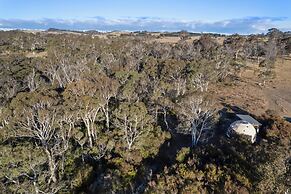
x=243, y=25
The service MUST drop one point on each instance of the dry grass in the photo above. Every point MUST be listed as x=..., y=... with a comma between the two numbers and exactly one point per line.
x=249, y=95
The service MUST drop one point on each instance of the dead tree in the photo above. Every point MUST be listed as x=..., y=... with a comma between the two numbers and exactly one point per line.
x=4, y=117
x=61, y=70
x=132, y=128
x=107, y=89
x=173, y=72
x=32, y=82
x=132, y=120
x=41, y=124
x=200, y=82
x=88, y=116
x=223, y=69
x=196, y=115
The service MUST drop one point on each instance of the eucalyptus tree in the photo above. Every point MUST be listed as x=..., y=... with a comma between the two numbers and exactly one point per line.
x=196, y=116
x=82, y=98
x=107, y=89
x=134, y=122
x=38, y=122
x=173, y=74
x=32, y=81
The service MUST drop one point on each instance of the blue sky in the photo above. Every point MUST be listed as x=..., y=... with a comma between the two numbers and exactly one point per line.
x=223, y=16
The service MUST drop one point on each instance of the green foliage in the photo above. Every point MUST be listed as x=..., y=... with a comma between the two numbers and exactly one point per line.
x=182, y=154
x=19, y=164
x=122, y=92
x=81, y=176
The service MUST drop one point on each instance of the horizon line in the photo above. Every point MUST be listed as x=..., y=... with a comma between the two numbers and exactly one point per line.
x=247, y=25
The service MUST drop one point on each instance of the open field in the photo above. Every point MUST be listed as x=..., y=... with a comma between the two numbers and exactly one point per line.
x=250, y=95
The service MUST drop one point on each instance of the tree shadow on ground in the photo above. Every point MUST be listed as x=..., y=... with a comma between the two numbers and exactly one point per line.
x=288, y=119
x=166, y=156
x=234, y=149
x=237, y=155
x=227, y=115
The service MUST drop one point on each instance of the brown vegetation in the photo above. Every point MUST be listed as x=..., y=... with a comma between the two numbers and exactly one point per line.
x=131, y=113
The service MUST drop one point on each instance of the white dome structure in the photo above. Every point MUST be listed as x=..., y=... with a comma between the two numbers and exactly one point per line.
x=244, y=128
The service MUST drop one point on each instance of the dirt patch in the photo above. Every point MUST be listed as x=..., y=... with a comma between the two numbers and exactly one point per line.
x=245, y=96
x=173, y=40
x=254, y=98
x=278, y=92
x=36, y=54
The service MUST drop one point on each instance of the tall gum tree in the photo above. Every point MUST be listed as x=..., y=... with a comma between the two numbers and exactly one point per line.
x=134, y=121
x=36, y=120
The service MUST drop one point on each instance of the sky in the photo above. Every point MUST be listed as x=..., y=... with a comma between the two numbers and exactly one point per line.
x=220, y=16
